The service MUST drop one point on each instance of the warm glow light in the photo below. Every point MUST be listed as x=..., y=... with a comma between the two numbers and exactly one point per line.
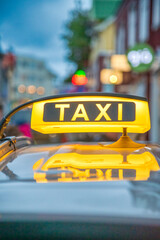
x=21, y=88
x=109, y=76
x=113, y=79
x=40, y=90
x=120, y=63
x=31, y=89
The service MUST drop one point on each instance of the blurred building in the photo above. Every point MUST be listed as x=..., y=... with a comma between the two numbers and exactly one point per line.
x=103, y=9
x=121, y=27
x=31, y=80
x=102, y=48
x=1, y=80
x=7, y=66
x=139, y=22
x=103, y=42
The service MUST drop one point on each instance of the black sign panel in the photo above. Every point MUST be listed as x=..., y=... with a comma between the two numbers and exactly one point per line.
x=102, y=111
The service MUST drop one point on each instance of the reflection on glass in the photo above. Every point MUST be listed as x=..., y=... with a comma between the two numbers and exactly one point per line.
x=92, y=163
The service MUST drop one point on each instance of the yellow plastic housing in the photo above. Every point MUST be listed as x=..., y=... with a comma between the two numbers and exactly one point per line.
x=80, y=120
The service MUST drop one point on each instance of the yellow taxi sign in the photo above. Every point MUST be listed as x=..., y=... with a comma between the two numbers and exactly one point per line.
x=91, y=113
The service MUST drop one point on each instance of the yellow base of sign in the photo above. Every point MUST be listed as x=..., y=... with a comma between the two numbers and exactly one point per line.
x=125, y=142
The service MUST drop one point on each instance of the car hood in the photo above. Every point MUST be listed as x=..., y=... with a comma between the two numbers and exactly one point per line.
x=27, y=191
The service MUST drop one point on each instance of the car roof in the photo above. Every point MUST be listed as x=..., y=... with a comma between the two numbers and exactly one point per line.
x=79, y=161
x=33, y=191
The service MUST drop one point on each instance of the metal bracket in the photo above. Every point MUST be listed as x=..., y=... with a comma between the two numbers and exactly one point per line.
x=12, y=141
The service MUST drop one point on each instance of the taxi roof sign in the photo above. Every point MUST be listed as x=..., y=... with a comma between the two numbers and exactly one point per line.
x=87, y=112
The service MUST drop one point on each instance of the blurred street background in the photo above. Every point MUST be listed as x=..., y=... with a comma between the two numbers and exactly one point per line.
x=63, y=46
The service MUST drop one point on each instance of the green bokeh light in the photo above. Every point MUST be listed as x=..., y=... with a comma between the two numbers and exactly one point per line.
x=80, y=73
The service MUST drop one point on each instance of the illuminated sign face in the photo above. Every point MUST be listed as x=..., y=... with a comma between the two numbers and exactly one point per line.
x=90, y=114
x=89, y=111
x=140, y=57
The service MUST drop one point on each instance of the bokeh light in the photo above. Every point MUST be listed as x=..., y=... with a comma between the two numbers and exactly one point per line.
x=31, y=89
x=21, y=88
x=79, y=78
x=113, y=79
x=40, y=90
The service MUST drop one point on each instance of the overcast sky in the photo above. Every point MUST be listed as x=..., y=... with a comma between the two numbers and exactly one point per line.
x=34, y=27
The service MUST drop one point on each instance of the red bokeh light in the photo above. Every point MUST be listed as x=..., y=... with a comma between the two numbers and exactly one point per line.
x=79, y=80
